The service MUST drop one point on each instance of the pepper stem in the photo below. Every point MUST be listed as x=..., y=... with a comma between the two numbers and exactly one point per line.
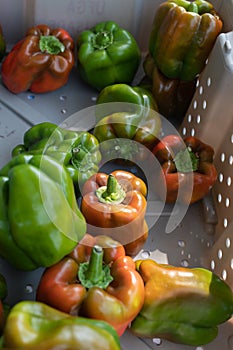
x=197, y=6
x=51, y=44
x=102, y=40
x=186, y=161
x=113, y=193
x=94, y=273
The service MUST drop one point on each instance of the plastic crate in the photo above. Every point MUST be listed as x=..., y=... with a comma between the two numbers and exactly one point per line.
x=204, y=236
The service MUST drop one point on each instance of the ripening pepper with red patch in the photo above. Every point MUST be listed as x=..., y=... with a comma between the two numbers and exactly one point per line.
x=187, y=170
x=115, y=205
x=97, y=280
x=182, y=37
x=40, y=62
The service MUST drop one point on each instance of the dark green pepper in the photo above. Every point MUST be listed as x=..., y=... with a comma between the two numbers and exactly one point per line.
x=78, y=151
x=2, y=44
x=40, y=221
x=107, y=54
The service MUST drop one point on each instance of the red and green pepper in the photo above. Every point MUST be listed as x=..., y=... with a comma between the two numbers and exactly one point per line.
x=97, y=280
x=40, y=62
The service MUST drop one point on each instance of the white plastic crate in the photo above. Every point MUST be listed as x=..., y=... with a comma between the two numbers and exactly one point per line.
x=204, y=236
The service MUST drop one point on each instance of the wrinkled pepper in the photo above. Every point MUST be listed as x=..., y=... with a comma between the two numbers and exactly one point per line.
x=97, y=280
x=40, y=221
x=3, y=294
x=182, y=37
x=2, y=44
x=182, y=305
x=173, y=96
x=107, y=54
x=187, y=169
x=78, y=151
x=115, y=205
x=40, y=62
x=34, y=325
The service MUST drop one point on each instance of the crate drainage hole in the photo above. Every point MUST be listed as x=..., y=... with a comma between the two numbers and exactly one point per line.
x=30, y=97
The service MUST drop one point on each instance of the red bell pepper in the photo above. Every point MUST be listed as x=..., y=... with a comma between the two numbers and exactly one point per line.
x=187, y=168
x=40, y=62
x=97, y=280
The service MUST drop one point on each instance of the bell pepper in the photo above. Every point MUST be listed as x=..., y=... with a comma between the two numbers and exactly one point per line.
x=182, y=37
x=115, y=205
x=187, y=169
x=97, y=280
x=2, y=44
x=107, y=54
x=182, y=305
x=173, y=96
x=40, y=62
x=34, y=325
x=127, y=136
x=78, y=151
x=40, y=221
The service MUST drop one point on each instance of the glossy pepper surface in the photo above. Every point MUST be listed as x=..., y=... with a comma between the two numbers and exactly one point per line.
x=78, y=151
x=115, y=205
x=187, y=169
x=182, y=37
x=2, y=44
x=34, y=325
x=183, y=305
x=173, y=96
x=40, y=221
x=40, y=62
x=107, y=54
x=97, y=280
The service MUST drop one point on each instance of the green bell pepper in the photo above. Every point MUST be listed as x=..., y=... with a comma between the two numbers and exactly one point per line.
x=34, y=325
x=40, y=221
x=78, y=151
x=126, y=94
x=3, y=294
x=107, y=54
x=182, y=305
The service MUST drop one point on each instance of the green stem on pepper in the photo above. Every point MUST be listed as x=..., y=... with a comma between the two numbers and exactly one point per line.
x=113, y=193
x=102, y=40
x=51, y=44
x=186, y=161
x=198, y=6
x=94, y=273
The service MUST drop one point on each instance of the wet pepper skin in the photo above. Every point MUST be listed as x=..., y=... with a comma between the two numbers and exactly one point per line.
x=33, y=325
x=187, y=169
x=41, y=62
x=121, y=215
x=117, y=302
x=182, y=37
x=182, y=305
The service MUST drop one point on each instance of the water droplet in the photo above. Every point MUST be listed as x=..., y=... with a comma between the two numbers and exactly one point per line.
x=30, y=97
x=157, y=341
x=63, y=97
x=181, y=243
x=184, y=263
x=145, y=254
x=29, y=288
